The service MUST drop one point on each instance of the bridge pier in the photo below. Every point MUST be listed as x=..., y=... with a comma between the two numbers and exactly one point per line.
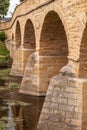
x=38, y=71
x=30, y=82
x=17, y=65
x=20, y=60
x=65, y=105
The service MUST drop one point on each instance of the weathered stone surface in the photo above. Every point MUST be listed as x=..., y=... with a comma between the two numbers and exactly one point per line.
x=56, y=30
x=17, y=67
x=30, y=82
x=63, y=109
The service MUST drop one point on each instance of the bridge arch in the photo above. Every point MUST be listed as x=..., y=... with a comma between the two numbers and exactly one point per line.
x=29, y=42
x=83, y=55
x=29, y=35
x=53, y=47
x=52, y=32
x=17, y=35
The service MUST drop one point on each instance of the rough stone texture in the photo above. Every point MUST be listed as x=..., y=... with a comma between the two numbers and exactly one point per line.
x=65, y=104
x=54, y=28
x=57, y=30
x=17, y=67
x=38, y=72
x=30, y=80
x=44, y=36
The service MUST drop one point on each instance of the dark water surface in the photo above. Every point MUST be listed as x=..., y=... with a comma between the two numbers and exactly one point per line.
x=18, y=111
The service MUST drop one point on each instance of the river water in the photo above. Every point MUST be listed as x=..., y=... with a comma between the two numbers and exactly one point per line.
x=18, y=111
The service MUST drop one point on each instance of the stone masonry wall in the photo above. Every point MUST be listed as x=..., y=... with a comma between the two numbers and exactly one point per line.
x=73, y=22
x=30, y=82
x=65, y=104
x=58, y=27
x=49, y=66
x=17, y=67
x=72, y=14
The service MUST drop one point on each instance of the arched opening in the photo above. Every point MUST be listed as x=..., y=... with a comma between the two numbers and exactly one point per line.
x=53, y=48
x=83, y=55
x=29, y=43
x=29, y=35
x=18, y=35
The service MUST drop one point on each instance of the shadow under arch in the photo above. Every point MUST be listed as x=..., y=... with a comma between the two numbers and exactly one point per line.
x=83, y=55
x=29, y=35
x=29, y=42
x=18, y=35
x=53, y=48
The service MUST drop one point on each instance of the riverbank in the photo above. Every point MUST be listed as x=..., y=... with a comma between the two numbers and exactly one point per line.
x=5, y=60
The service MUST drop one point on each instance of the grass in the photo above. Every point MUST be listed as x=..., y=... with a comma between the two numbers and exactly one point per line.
x=13, y=86
x=4, y=53
x=3, y=49
x=6, y=83
x=2, y=59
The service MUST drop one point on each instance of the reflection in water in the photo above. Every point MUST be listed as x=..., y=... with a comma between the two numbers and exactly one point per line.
x=10, y=118
x=18, y=111
x=23, y=111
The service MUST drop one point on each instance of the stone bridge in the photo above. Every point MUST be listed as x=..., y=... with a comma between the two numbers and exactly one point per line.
x=43, y=36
